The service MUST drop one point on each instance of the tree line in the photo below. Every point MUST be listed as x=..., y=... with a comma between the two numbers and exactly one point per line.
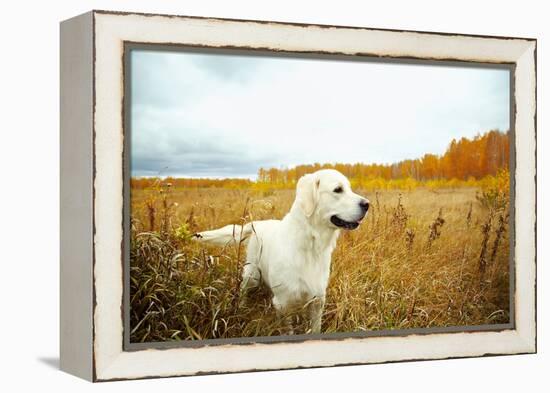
x=154, y=182
x=483, y=155
x=464, y=160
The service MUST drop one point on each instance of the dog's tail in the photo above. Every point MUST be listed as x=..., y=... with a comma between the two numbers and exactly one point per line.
x=227, y=234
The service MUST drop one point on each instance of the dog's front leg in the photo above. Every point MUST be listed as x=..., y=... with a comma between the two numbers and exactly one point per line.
x=316, y=307
x=282, y=308
x=251, y=279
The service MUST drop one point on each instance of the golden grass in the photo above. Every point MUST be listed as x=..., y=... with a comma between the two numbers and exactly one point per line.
x=422, y=258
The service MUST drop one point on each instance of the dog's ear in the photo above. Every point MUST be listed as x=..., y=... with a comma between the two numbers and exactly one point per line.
x=307, y=193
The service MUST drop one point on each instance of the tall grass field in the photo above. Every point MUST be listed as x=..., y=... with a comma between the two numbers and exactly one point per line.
x=425, y=256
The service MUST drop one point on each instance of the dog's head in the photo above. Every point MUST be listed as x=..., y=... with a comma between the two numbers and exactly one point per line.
x=326, y=195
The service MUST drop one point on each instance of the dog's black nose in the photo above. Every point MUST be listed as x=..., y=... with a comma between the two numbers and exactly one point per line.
x=364, y=205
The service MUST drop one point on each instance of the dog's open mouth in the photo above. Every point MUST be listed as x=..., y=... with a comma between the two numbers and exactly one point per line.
x=343, y=223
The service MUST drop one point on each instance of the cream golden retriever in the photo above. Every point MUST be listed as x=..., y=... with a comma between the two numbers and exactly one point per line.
x=292, y=256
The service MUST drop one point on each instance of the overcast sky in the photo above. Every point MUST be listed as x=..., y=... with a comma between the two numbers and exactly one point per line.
x=211, y=115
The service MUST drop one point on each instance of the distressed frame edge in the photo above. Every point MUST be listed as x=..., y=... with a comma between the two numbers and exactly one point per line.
x=528, y=340
x=76, y=207
x=128, y=346
x=258, y=370
x=526, y=133
x=305, y=24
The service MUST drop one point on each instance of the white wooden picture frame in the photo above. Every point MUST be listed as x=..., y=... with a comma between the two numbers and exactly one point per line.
x=92, y=195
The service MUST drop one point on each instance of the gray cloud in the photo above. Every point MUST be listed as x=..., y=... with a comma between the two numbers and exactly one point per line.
x=227, y=116
x=228, y=68
x=181, y=152
x=197, y=165
x=165, y=79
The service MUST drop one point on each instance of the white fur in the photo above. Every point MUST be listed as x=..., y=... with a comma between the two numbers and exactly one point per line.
x=292, y=256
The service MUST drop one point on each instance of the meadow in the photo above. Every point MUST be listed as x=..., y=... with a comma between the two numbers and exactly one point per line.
x=425, y=256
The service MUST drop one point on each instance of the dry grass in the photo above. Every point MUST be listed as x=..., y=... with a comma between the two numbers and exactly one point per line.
x=422, y=258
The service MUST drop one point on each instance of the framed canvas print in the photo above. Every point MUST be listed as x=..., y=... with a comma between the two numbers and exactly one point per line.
x=246, y=195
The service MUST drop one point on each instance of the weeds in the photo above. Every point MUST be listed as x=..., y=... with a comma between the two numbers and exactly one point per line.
x=382, y=275
x=399, y=215
x=435, y=228
x=486, y=233
x=469, y=215
x=409, y=237
x=498, y=236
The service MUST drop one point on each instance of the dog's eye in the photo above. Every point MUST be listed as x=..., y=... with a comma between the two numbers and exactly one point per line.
x=338, y=190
